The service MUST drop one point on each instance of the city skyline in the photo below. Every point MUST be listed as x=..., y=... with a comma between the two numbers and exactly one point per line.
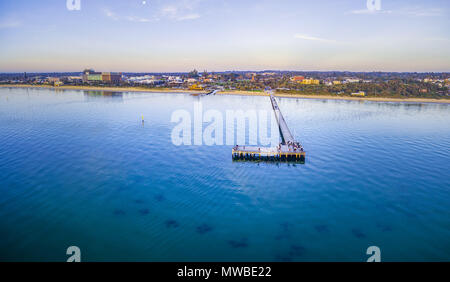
x=177, y=36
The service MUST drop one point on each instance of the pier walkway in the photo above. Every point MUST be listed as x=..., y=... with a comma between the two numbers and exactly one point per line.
x=286, y=134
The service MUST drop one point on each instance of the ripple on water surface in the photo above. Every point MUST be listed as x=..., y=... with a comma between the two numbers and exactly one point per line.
x=81, y=168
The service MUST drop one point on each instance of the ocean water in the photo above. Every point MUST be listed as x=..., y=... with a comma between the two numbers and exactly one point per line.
x=79, y=168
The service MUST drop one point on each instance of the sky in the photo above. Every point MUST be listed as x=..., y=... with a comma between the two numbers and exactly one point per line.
x=219, y=35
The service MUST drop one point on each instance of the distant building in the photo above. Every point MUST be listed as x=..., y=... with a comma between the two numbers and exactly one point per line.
x=73, y=79
x=91, y=75
x=174, y=80
x=297, y=78
x=196, y=87
x=52, y=79
x=109, y=77
x=447, y=82
x=352, y=80
x=55, y=81
x=310, y=81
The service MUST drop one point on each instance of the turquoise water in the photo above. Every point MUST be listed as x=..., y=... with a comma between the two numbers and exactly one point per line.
x=79, y=168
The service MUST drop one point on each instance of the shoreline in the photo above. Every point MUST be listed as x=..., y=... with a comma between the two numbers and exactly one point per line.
x=230, y=92
x=101, y=88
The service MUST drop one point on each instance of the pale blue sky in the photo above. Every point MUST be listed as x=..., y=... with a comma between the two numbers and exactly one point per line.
x=217, y=35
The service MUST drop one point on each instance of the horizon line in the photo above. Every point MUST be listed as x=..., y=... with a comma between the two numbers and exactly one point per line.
x=222, y=71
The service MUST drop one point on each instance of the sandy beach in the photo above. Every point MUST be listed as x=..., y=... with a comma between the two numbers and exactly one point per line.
x=229, y=92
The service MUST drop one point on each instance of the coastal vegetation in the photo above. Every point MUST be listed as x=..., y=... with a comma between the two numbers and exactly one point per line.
x=393, y=89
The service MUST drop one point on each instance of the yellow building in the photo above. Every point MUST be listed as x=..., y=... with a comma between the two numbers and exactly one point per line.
x=310, y=81
x=336, y=82
x=195, y=87
x=360, y=93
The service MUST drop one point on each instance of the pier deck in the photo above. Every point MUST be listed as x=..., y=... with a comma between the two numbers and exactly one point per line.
x=282, y=153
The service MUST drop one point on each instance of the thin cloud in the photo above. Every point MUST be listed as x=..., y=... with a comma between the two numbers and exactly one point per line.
x=313, y=38
x=138, y=19
x=441, y=39
x=10, y=24
x=181, y=11
x=176, y=11
x=423, y=12
x=110, y=14
x=188, y=17
x=408, y=11
x=370, y=12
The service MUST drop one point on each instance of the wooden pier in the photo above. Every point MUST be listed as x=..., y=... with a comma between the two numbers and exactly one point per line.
x=287, y=150
x=280, y=153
